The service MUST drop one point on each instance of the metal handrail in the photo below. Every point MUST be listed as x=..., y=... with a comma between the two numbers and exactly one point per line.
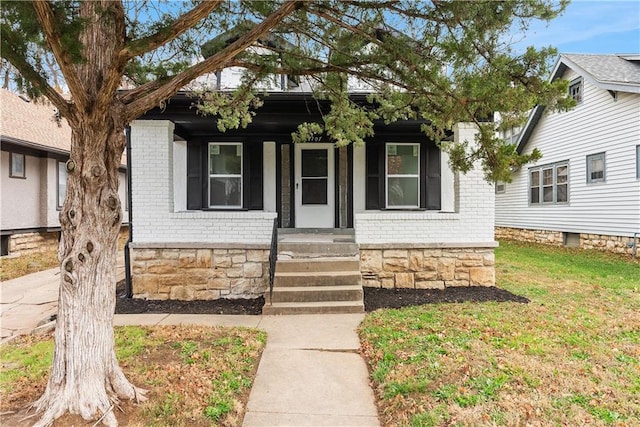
x=273, y=256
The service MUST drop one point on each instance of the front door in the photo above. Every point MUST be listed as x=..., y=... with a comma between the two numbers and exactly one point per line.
x=314, y=185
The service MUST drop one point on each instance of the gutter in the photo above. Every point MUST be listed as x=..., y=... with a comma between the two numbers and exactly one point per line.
x=127, y=256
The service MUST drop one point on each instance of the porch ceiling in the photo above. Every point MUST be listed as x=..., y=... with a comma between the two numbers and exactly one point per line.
x=280, y=115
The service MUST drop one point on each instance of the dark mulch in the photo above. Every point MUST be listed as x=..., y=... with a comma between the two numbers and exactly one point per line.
x=374, y=299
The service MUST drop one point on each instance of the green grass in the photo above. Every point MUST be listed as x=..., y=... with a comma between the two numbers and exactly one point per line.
x=569, y=357
x=195, y=375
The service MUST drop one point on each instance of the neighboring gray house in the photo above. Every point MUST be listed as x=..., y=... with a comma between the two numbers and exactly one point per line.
x=206, y=204
x=33, y=178
x=585, y=191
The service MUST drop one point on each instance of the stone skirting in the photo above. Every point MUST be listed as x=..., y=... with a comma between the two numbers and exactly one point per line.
x=601, y=242
x=616, y=244
x=199, y=273
x=30, y=243
x=427, y=268
x=21, y=244
x=546, y=237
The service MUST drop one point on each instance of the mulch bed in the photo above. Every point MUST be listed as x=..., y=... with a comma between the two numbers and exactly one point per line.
x=374, y=299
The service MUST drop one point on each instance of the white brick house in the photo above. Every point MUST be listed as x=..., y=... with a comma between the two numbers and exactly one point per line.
x=204, y=202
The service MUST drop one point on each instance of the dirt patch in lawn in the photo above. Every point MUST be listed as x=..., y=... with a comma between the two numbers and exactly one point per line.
x=374, y=298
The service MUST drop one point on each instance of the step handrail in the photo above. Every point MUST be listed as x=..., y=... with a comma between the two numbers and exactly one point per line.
x=273, y=257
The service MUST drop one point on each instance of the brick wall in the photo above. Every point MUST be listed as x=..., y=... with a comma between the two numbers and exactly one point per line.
x=154, y=215
x=472, y=221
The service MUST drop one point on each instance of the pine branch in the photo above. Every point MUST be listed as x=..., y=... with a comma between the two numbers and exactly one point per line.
x=153, y=94
x=26, y=70
x=177, y=28
x=47, y=20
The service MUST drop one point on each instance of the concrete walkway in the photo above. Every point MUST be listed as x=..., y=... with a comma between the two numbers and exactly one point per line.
x=310, y=373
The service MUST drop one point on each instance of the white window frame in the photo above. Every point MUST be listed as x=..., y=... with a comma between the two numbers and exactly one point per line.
x=501, y=187
x=554, y=184
x=576, y=90
x=210, y=175
x=387, y=175
x=590, y=159
x=61, y=170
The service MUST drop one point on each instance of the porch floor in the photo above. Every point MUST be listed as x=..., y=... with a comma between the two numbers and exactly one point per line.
x=316, y=235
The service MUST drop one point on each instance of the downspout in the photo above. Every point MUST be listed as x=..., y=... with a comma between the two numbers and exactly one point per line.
x=127, y=256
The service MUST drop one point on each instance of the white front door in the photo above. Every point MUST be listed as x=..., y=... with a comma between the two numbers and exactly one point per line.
x=314, y=185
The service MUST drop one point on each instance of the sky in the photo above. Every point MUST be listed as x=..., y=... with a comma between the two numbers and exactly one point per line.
x=590, y=26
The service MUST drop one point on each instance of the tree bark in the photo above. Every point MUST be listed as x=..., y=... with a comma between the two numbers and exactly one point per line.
x=85, y=377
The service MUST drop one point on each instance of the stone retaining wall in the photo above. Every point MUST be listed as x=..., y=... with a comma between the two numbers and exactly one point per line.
x=427, y=268
x=616, y=244
x=199, y=273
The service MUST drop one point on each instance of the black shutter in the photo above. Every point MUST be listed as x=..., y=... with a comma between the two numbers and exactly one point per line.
x=433, y=176
x=194, y=176
x=375, y=176
x=253, y=153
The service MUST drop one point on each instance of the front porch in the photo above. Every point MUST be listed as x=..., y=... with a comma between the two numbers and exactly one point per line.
x=316, y=271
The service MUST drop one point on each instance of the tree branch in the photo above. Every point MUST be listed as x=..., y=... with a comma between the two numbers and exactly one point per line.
x=44, y=13
x=178, y=27
x=155, y=94
x=27, y=71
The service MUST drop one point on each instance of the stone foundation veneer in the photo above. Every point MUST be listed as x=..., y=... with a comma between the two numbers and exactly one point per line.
x=431, y=267
x=197, y=272
x=30, y=243
x=601, y=242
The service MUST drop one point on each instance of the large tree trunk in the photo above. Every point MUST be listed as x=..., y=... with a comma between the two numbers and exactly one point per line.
x=85, y=377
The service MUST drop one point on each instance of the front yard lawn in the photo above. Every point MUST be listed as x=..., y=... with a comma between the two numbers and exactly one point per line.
x=569, y=357
x=196, y=375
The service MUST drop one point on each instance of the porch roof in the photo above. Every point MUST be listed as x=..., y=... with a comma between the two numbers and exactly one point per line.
x=281, y=113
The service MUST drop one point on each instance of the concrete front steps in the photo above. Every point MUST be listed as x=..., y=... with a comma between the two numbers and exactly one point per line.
x=316, y=272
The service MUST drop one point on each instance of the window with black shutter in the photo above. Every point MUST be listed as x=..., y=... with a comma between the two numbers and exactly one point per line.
x=224, y=175
x=402, y=175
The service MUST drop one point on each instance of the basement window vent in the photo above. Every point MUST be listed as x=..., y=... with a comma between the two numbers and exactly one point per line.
x=571, y=240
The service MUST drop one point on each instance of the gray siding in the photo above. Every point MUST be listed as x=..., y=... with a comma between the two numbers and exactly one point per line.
x=598, y=124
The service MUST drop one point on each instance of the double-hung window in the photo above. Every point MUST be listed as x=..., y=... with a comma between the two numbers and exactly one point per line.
x=403, y=175
x=549, y=184
x=225, y=175
x=596, y=168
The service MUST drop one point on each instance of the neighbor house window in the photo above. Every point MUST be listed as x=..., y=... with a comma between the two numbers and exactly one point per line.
x=638, y=161
x=595, y=168
x=575, y=90
x=225, y=175
x=549, y=184
x=17, y=166
x=403, y=175
x=62, y=183
x=501, y=187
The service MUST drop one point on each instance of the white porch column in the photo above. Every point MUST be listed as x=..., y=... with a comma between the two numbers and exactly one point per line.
x=269, y=176
x=359, y=178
